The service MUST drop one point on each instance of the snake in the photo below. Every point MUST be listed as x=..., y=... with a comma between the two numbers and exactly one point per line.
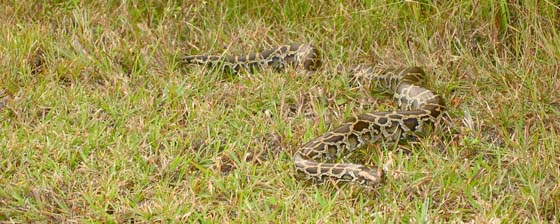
x=418, y=107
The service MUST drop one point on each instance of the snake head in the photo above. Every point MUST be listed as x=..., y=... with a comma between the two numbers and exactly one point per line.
x=370, y=177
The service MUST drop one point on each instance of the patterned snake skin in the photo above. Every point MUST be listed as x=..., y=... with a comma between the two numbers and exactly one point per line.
x=295, y=55
x=418, y=107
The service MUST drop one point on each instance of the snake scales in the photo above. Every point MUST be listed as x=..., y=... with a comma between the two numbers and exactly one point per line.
x=418, y=106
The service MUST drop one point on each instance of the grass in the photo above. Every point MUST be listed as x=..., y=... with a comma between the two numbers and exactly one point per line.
x=100, y=122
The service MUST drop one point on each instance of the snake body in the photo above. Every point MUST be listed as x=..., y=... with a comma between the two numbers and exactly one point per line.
x=418, y=107
x=296, y=55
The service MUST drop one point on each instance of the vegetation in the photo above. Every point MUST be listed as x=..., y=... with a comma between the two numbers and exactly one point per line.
x=100, y=121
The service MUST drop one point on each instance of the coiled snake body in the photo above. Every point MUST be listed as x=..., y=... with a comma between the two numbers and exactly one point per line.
x=418, y=106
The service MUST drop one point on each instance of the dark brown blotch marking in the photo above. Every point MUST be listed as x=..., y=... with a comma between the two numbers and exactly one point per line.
x=332, y=150
x=353, y=140
x=312, y=170
x=347, y=177
x=337, y=170
x=333, y=138
x=366, y=137
x=375, y=128
x=381, y=121
x=345, y=128
x=283, y=49
x=250, y=57
x=312, y=154
x=411, y=123
x=361, y=125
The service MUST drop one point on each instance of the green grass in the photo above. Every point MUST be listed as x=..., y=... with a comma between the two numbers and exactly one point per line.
x=99, y=121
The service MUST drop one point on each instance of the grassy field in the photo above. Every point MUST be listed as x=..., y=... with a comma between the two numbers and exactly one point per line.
x=100, y=121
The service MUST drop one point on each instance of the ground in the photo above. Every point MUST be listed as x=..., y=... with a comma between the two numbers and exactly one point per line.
x=101, y=122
